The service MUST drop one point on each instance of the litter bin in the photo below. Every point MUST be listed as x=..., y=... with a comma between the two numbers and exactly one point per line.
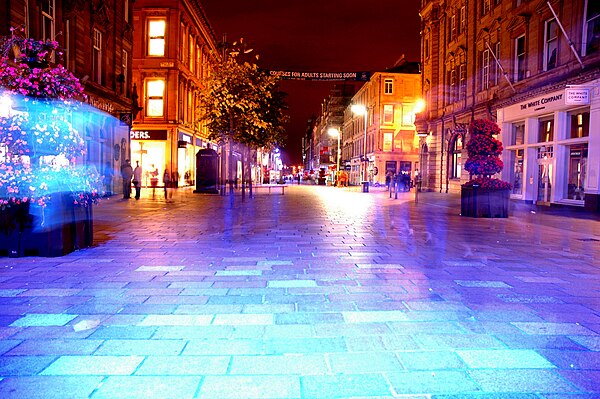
x=365, y=186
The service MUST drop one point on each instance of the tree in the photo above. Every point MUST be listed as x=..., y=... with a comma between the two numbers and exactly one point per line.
x=242, y=104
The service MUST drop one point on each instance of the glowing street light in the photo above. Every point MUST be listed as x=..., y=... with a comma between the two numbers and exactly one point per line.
x=359, y=110
x=336, y=132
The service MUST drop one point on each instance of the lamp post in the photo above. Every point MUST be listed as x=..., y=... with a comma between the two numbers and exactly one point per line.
x=337, y=133
x=360, y=109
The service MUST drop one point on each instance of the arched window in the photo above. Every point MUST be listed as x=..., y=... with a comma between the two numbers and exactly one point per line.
x=456, y=153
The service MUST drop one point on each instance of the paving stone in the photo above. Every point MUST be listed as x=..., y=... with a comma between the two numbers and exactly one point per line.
x=43, y=320
x=35, y=347
x=184, y=365
x=241, y=387
x=431, y=382
x=362, y=362
x=521, y=381
x=163, y=387
x=503, y=359
x=344, y=386
x=143, y=347
x=279, y=364
x=93, y=365
x=48, y=387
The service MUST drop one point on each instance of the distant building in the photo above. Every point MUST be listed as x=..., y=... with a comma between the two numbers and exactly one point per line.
x=175, y=46
x=97, y=38
x=389, y=142
x=533, y=67
x=331, y=116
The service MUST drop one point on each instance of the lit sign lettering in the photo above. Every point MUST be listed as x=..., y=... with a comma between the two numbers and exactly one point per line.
x=148, y=134
x=542, y=101
x=577, y=96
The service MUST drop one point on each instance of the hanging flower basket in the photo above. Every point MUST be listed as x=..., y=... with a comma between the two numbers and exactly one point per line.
x=45, y=196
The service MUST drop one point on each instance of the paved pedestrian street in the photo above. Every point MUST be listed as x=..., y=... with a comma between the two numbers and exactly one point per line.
x=318, y=293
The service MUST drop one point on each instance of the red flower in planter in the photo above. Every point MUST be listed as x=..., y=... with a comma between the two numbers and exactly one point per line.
x=484, y=152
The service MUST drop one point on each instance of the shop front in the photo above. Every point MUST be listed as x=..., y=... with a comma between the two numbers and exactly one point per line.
x=547, y=141
x=151, y=149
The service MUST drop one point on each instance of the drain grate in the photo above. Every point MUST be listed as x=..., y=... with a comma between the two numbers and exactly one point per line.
x=589, y=239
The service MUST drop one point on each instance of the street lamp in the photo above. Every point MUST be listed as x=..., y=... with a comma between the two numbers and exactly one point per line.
x=336, y=132
x=359, y=110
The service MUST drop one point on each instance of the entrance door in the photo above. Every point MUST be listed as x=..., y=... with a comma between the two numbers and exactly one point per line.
x=544, y=186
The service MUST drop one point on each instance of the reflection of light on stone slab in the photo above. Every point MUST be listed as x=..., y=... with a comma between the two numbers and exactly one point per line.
x=291, y=283
x=86, y=325
x=374, y=316
x=482, y=284
x=43, y=320
x=238, y=273
x=379, y=266
x=159, y=269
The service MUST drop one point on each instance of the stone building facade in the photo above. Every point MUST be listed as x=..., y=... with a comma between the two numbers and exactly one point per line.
x=175, y=46
x=531, y=66
x=388, y=143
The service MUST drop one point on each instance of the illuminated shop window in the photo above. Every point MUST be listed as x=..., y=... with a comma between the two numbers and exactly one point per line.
x=546, y=132
x=580, y=124
x=518, y=134
x=517, y=158
x=155, y=91
x=578, y=155
x=156, y=37
x=456, y=158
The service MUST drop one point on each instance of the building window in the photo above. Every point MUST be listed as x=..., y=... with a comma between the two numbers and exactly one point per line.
x=126, y=10
x=155, y=92
x=456, y=169
x=97, y=56
x=485, y=69
x=486, y=5
x=388, y=86
x=591, y=33
x=124, y=67
x=408, y=115
x=191, y=55
x=48, y=19
x=580, y=124
x=453, y=89
x=388, y=113
x=156, y=37
x=518, y=134
x=520, y=59
x=462, y=83
x=517, y=158
x=546, y=132
x=498, y=71
x=550, y=44
x=578, y=155
x=462, y=17
x=453, y=27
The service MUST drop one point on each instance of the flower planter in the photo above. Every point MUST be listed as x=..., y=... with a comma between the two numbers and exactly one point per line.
x=56, y=230
x=484, y=202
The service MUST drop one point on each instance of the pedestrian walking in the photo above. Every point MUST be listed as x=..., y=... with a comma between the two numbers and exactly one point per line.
x=126, y=174
x=167, y=185
x=107, y=177
x=137, y=180
x=153, y=178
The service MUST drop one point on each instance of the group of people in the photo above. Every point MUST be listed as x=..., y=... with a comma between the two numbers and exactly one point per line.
x=134, y=175
x=400, y=181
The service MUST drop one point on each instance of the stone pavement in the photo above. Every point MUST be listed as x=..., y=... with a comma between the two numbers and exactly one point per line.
x=319, y=293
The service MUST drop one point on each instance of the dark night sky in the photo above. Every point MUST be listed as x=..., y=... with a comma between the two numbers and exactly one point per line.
x=318, y=36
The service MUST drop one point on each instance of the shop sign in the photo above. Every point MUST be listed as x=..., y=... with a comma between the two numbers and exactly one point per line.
x=548, y=103
x=148, y=135
x=576, y=96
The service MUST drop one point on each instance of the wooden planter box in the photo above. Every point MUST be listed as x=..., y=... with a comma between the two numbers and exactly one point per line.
x=484, y=203
x=60, y=228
